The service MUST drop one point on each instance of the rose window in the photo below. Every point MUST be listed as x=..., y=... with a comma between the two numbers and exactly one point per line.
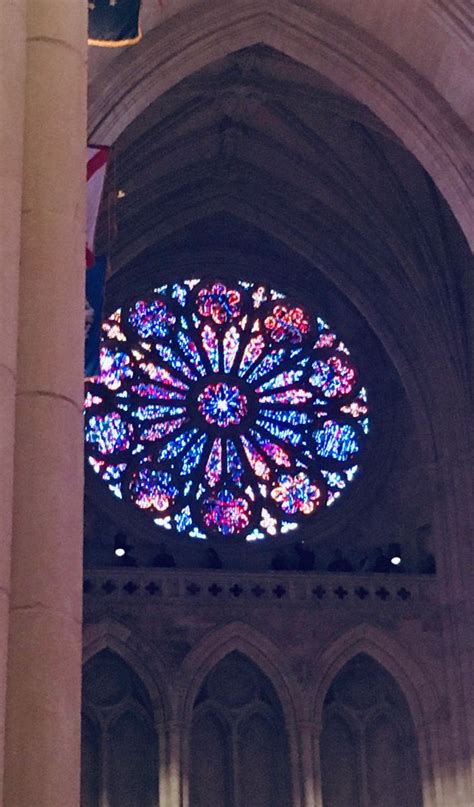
x=223, y=410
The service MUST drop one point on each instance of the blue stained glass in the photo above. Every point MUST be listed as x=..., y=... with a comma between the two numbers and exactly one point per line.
x=183, y=520
x=288, y=435
x=109, y=433
x=285, y=379
x=193, y=455
x=253, y=349
x=191, y=352
x=179, y=293
x=156, y=392
x=175, y=361
x=153, y=490
x=334, y=479
x=114, y=368
x=152, y=412
x=113, y=473
x=161, y=429
x=234, y=466
x=214, y=464
x=336, y=441
x=230, y=348
x=269, y=363
x=222, y=423
x=211, y=346
x=178, y=444
x=364, y=424
x=152, y=319
x=162, y=375
x=286, y=416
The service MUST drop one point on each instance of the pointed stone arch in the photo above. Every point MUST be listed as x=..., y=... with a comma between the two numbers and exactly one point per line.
x=269, y=659
x=116, y=637
x=316, y=37
x=421, y=695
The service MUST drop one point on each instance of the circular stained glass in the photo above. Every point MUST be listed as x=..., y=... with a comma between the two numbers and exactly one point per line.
x=224, y=410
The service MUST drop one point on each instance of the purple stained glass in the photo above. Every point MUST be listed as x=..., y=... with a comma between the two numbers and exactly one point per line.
x=108, y=433
x=296, y=494
x=115, y=367
x=152, y=320
x=235, y=468
x=162, y=429
x=252, y=352
x=226, y=513
x=337, y=441
x=213, y=470
x=222, y=409
x=334, y=377
x=219, y=303
x=222, y=405
x=255, y=460
x=152, y=490
x=211, y=346
x=230, y=347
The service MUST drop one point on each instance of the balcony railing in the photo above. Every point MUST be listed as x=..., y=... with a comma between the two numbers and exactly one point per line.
x=261, y=588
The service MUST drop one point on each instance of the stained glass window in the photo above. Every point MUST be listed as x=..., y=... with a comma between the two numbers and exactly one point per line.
x=224, y=410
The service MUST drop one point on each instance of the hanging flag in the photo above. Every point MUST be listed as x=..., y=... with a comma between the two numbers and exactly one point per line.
x=95, y=281
x=114, y=23
x=97, y=157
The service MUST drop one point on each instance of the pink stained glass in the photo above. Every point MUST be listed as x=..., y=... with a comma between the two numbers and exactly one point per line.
x=326, y=340
x=296, y=494
x=252, y=352
x=226, y=513
x=335, y=377
x=211, y=346
x=230, y=345
x=109, y=433
x=162, y=375
x=274, y=451
x=287, y=324
x=213, y=470
x=115, y=367
x=219, y=303
x=222, y=405
x=162, y=429
x=153, y=490
x=157, y=393
x=255, y=460
x=290, y=396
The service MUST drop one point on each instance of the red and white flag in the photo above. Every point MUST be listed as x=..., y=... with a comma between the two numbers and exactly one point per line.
x=97, y=157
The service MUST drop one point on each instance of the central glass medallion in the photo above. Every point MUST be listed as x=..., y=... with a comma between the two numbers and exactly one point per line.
x=222, y=405
x=224, y=410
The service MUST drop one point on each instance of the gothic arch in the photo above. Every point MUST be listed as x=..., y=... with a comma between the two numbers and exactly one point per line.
x=333, y=47
x=421, y=695
x=240, y=637
x=116, y=637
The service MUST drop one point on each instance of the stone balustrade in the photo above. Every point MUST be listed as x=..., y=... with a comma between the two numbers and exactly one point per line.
x=364, y=591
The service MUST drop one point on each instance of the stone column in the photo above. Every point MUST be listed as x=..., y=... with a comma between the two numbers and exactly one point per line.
x=44, y=652
x=308, y=764
x=12, y=72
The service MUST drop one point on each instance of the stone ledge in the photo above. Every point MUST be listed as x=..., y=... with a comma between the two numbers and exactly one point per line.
x=204, y=587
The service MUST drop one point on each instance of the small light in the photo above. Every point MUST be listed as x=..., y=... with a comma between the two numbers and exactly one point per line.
x=120, y=545
x=121, y=194
x=395, y=554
